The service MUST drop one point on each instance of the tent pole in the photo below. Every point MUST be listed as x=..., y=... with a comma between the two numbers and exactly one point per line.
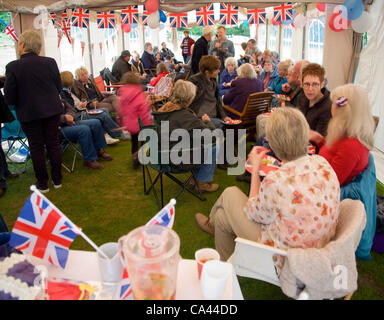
x=90, y=49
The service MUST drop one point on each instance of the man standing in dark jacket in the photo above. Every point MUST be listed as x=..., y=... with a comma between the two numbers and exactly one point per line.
x=33, y=85
x=201, y=48
x=122, y=65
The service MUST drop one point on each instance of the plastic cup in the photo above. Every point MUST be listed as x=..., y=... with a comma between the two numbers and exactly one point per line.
x=204, y=255
x=214, y=279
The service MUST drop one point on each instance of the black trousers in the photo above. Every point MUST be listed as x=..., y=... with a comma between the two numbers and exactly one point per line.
x=3, y=167
x=43, y=134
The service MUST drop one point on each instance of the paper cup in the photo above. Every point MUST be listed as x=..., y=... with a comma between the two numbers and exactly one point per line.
x=214, y=279
x=204, y=255
x=111, y=269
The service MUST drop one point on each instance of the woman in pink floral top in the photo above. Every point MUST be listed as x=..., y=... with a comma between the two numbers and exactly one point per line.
x=296, y=206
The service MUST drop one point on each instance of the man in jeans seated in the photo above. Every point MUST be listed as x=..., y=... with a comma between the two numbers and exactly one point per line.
x=90, y=135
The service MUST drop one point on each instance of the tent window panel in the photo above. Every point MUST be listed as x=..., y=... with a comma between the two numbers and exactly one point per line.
x=7, y=44
x=262, y=37
x=273, y=38
x=315, y=42
x=286, y=47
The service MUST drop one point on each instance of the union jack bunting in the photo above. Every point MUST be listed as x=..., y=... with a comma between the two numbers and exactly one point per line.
x=178, y=20
x=106, y=20
x=283, y=12
x=80, y=18
x=146, y=14
x=256, y=16
x=53, y=17
x=228, y=14
x=205, y=16
x=43, y=231
x=10, y=30
x=130, y=15
x=65, y=27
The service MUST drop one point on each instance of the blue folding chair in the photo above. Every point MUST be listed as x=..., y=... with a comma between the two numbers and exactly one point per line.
x=12, y=133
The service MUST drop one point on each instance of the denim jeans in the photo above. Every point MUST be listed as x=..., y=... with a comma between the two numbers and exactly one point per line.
x=106, y=122
x=205, y=173
x=90, y=135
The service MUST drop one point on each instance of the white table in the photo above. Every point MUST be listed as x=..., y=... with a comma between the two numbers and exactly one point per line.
x=83, y=266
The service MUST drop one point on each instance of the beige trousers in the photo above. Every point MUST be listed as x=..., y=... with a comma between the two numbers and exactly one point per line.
x=110, y=103
x=230, y=221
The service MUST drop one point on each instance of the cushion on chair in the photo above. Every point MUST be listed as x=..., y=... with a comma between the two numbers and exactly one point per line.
x=363, y=188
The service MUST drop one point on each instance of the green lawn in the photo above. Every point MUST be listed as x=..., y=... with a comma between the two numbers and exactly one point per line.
x=109, y=203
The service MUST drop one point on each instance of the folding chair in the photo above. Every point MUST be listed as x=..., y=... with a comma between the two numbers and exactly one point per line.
x=67, y=144
x=16, y=139
x=165, y=169
x=151, y=72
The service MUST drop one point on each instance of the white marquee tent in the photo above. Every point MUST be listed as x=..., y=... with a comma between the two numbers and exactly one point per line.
x=341, y=56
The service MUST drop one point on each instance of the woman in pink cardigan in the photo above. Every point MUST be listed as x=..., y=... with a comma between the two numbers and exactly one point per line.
x=133, y=104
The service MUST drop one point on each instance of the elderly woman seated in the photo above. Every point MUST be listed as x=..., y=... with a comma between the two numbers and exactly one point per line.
x=241, y=88
x=269, y=74
x=89, y=133
x=228, y=75
x=282, y=70
x=295, y=206
x=179, y=116
x=85, y=88
x=82, y=113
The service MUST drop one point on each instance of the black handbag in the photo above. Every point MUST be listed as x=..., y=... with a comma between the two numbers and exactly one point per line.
x=5, y=114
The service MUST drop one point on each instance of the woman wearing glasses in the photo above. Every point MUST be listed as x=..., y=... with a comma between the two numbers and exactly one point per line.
x=314, y=102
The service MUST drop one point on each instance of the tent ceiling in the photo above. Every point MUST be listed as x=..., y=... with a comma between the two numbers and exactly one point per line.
x=27, y=6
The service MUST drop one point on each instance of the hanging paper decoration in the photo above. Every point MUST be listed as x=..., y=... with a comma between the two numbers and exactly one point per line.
x=363, y=24
x=152, y=5
x=300, y=21
x=178, y=20
x=59, y=37
x=106, y=43
x=72, y=42
x=256, y=16
x=126, y=28
x=355, y=8
x=163, y=17
x=321, y=6
x=228, y=14
x=283, y=12
x=154, y=20
x=80, y=18
x=82, y=48
x=101, y=48
x=205, y=16
x=130, y=15
x=106, y=20
x=10, y=31
x=65, y=27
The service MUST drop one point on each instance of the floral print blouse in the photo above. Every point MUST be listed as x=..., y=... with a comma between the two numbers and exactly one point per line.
x=297, y=206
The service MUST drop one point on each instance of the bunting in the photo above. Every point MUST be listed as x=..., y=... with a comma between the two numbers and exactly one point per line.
x=130, y=15
x=205, y=16
x=106, y=20
x=178, y=20
x=80, y=18
x=283, y=12
x=228, y=14
x=256, y=16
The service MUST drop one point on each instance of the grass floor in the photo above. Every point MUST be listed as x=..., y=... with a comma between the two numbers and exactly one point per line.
x=110, y=203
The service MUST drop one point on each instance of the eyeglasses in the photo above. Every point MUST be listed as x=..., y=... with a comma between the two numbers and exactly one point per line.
x=306, y=85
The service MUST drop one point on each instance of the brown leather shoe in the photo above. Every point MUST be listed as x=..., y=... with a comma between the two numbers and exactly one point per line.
x=93, y=165
x=202, y=222
x=11, y=175
x=104, y=156
x=207, y=186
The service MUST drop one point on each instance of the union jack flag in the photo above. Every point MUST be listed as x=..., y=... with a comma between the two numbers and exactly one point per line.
x=65, y=27
x=130, y=15
x=205, y=15
x=165, y=217
x=43, y=231
x=80, y=18
x=283, y=12
x=228, y=14
x=53, y=17
x=10, y=30
x=146, y=14
x=256, y=16
x=178, y=20
x=106, y=20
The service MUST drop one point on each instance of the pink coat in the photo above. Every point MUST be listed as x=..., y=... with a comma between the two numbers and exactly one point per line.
x=133, y=104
